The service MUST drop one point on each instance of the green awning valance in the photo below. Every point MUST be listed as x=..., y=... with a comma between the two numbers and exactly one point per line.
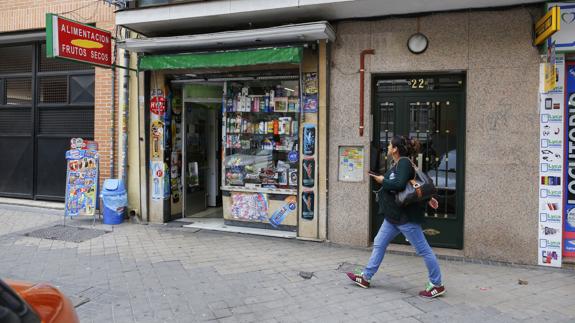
x=284, y=55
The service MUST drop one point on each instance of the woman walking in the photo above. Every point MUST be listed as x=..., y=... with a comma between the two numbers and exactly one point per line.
x=406, y=220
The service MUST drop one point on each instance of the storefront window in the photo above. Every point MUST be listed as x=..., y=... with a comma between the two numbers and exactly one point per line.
x=261, y=123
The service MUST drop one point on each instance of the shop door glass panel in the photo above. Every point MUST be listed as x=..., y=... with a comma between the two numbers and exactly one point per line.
x=196, y=157
x=433, y=118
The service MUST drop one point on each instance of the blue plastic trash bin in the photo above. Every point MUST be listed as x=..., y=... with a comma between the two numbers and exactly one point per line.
x=115, y=201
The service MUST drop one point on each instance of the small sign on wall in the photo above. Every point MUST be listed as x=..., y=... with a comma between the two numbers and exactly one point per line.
x=351, y=163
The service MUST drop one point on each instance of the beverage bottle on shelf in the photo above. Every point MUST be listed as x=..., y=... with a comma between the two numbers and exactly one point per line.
x=272, y=101
x=229, y=105
x=256, y=104
x=262, y=103
x=294, y=128
x=276, y=127
x=267, y=102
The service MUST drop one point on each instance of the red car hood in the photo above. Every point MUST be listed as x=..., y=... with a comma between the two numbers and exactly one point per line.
x=47, y=301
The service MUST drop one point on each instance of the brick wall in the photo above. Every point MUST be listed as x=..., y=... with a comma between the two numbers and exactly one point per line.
x=31, y=14
x=23, y=15
x=103, y=111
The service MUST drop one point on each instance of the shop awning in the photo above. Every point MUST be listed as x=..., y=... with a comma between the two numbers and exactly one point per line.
x=260, y=37
x=222, y=59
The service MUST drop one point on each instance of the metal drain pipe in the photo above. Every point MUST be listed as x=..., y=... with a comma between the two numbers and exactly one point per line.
x=125, y=95
x=361, y=87
x=113, y=108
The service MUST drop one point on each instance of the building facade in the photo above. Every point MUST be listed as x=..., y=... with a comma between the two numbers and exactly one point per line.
x=46, y=102
x=469, y=98
x=492, y=53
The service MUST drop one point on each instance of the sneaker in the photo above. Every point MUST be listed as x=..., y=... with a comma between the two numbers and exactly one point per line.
x=432, y=291
x=359, y=280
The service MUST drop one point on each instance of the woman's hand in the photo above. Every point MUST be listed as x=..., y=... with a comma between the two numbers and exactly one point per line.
x=433, y=203
x=377, y=178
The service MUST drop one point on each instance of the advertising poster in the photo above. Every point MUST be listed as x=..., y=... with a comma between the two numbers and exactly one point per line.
x=249, y=206
x=351, y=164
x=307, y=208
x=309, y=140
x=280, y=214
x=81, y=178
x=157, y=123
x=158, y=170
x=310, y=103
x=551, y=170
x=311, y=83
x=308, y=166
x=569, y=191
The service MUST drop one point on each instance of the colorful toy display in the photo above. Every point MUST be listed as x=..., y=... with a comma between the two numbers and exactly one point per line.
x=81, y=178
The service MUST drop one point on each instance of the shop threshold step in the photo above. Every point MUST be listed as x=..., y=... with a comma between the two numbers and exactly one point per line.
x=218, y=225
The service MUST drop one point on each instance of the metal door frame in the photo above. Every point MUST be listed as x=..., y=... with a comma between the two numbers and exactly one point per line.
x=460, y=134
x=32, y=135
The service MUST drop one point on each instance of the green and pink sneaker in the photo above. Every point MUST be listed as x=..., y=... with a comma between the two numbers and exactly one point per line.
x=432, y=291
x=358, y=279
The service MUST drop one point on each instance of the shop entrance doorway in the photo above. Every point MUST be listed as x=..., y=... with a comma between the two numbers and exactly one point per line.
x=202, y=150
x=430, y=108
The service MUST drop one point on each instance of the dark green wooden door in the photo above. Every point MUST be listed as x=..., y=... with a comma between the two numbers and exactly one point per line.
x=432, y=110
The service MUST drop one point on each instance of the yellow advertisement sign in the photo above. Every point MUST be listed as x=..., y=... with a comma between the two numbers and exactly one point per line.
x=550, y=71
x=547, y=25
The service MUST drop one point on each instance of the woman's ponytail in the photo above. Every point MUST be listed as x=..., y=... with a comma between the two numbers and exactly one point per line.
x=407, y=147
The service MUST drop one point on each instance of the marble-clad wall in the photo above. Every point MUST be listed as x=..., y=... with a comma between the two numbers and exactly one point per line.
x=494, y=49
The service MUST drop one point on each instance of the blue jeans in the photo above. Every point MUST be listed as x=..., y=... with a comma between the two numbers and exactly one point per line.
x=413, y=233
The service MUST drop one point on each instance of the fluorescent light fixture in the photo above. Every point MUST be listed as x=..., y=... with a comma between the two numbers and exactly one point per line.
x=275, y=35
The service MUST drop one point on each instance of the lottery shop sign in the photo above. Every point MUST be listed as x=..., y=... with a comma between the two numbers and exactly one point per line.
x=72, y=40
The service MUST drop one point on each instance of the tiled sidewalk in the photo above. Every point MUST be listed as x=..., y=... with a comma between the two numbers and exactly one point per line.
x=163, y=273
